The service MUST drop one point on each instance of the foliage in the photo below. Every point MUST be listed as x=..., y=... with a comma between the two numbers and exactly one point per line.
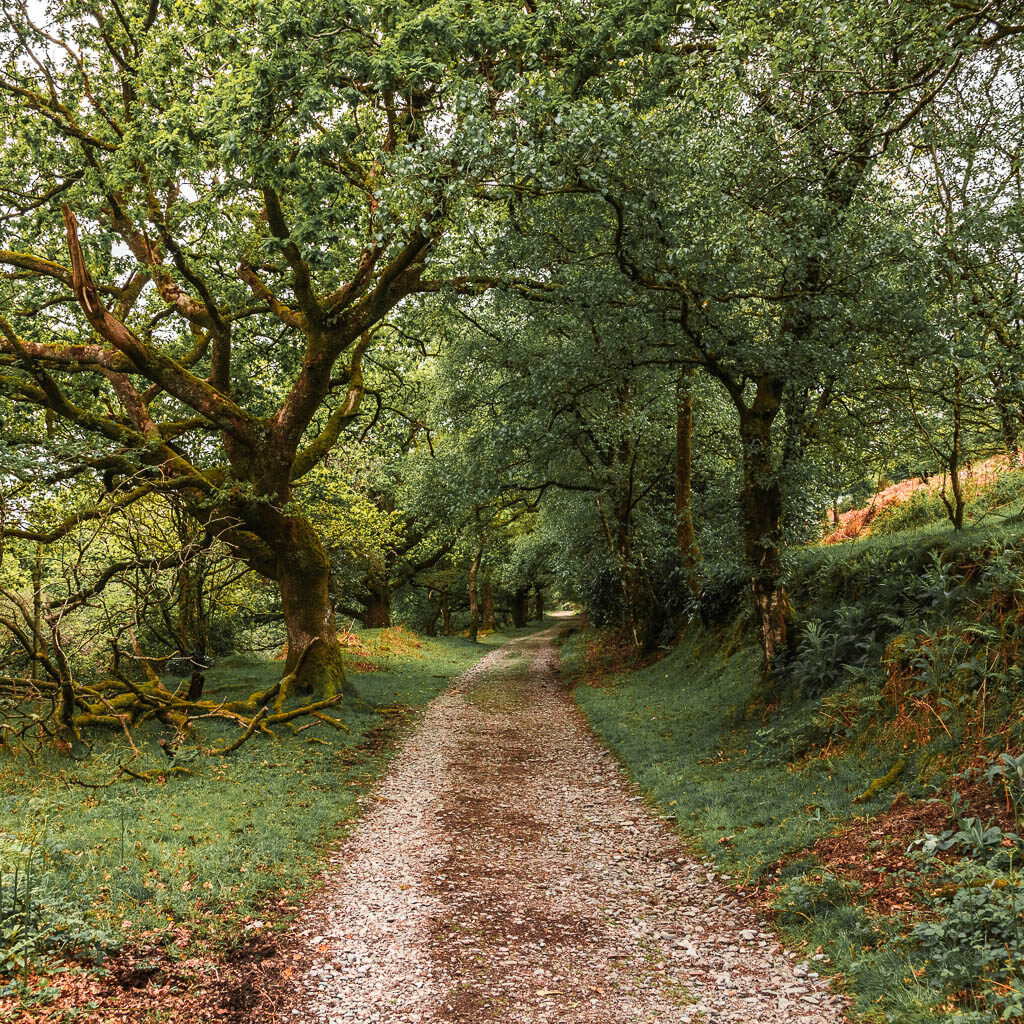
x=977, y=943
x=1010, y=771
x=924, y=507
x=427, y=312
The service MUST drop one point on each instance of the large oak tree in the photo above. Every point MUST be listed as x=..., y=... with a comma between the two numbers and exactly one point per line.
x=205, y=212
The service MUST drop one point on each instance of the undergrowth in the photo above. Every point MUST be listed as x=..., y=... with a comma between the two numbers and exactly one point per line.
x=989, y=502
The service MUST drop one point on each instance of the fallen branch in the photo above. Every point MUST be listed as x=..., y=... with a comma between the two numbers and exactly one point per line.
x=253, y=726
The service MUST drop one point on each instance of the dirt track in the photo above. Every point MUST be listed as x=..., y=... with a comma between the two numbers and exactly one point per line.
x=507, y=872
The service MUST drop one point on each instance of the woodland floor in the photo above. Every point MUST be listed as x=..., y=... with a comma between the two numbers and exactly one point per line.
x=506, y=871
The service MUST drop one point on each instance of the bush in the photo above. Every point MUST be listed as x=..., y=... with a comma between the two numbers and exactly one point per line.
x=976, y=942
x=826, y=649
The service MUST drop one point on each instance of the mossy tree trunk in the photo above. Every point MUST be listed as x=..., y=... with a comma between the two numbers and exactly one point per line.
x=685, y=535
x=956, y=501
x=434, y=601
x=762, y=505
x=303, y=575
x=446, y=614
x=474, y=593
x=376, y=604
x=487, y=610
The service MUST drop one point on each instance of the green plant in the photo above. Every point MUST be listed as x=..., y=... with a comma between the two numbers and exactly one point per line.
x=937, y=588
x=923, y=508
x=828, y=650
x=975, y=943
x=37, y=915
x=1010, y=771
x=970, y=836
x=805, y=895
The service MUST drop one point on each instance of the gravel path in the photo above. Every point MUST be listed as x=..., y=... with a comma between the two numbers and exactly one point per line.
x=507, y=872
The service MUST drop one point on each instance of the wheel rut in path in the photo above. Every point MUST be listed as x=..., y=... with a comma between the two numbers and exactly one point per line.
x=508, y=872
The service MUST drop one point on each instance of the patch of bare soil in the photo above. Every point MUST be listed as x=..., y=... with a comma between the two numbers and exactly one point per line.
x=142, y=984
x=506, y=871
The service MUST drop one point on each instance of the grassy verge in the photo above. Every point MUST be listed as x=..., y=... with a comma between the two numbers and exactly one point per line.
x=784, y=807
x=188, y=860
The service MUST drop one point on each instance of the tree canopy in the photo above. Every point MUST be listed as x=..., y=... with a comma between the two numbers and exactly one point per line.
x=421, y=311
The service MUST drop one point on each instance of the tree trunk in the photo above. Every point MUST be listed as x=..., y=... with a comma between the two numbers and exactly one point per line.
x=1009, y=418
x=37, y=611
x=446, y=615
x=685, y=535
x=195, y=685
x=376, y=605
x=959, y=500
x=1009, y=428
x=303, y=573
x=435, y=613
x=519, y=611
x=474, y=596
x=487, y=615
x=955, y=508
x=193, y=623
x=539, y=607
x=761, y=501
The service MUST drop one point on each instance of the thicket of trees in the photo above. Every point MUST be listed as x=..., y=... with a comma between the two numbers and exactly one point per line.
x=419, y=312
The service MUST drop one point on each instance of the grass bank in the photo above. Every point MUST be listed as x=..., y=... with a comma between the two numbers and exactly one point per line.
x=188, y=861
x=877, y=811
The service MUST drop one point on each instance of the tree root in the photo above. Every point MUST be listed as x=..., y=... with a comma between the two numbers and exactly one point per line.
x=284, y=685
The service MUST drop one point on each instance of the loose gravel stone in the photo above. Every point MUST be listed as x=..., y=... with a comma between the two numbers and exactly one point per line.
x=505, y=870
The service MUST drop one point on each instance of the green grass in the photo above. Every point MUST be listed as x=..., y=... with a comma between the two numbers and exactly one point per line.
x=746, y=795
x=190, y=855
x=678, y=725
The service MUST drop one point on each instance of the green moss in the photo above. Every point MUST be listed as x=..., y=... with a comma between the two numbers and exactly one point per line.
x=882, y=782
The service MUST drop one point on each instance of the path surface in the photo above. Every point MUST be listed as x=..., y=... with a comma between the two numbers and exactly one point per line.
x=507, y=872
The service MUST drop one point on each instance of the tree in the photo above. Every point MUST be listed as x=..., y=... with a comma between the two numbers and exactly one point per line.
x=748, y=185
x=207, y=211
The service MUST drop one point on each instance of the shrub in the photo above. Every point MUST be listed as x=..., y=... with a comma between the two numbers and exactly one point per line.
x=976, y=941
x=923, y=507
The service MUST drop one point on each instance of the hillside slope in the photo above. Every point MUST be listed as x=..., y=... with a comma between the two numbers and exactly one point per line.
x=877, y=810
